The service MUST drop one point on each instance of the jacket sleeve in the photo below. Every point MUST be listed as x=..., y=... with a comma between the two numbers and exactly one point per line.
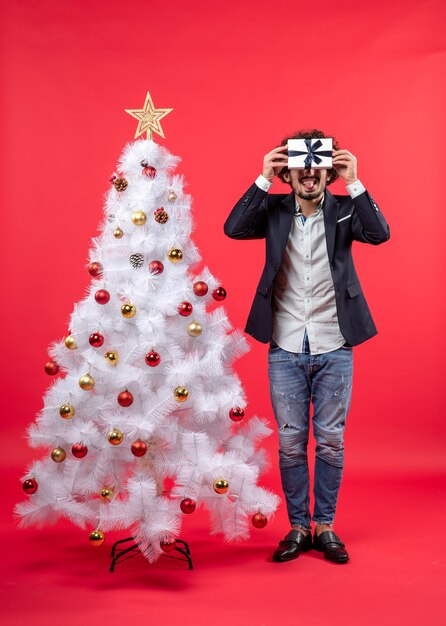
x=247, y=219
x=368, y=223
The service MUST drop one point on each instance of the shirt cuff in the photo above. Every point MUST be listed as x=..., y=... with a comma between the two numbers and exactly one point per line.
x=355, y=189
x=263, y=183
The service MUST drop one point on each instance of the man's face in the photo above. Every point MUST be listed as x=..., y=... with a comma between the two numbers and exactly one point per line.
x=307, y=184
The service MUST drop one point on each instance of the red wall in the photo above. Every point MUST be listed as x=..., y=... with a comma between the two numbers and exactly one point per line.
x=240, y=76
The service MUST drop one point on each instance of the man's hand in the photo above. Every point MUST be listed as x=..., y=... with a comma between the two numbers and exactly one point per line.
x=274, y=162
x=346, y=165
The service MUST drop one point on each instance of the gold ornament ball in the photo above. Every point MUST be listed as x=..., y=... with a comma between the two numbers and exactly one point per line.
x=139, y=218
x=171, y=196
x=175, y=255
x=86, y=382
x=96, y=538
x=58, y=455
x=194, y=329
x=181, y=394
x=112, y=358
x=221, y=485
x=107, y=494
x=70, y=342
x=128, y=310
x=67, y=411
x=115, y=437
x=118, y=233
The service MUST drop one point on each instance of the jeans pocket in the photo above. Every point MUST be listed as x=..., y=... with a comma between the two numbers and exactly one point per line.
x=277, y=354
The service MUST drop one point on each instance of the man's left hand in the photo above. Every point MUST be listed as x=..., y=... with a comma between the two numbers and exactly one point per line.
x=346, y=165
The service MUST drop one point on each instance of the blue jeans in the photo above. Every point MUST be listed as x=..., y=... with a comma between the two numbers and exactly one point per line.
x=326, y=380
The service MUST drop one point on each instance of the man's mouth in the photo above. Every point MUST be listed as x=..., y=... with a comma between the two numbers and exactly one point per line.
x=309, y=182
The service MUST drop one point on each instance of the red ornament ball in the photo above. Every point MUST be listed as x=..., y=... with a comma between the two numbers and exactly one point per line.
x=185, y=309
x=52, y=368
x=96, y=340
x=153, y=358
x=149, y=171
x=219, y=294
x=168, y=544
x=102, y=296
x=259, y=520
x=30, y=486
x=78, y=450
x=200, y=288
x=95, y=269
x=188, y=506
x=156, y=267
x=125, y=398
x=139, y=448
x=237, y=414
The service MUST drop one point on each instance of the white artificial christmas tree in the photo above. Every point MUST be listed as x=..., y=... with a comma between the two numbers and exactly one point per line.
x=147, y=391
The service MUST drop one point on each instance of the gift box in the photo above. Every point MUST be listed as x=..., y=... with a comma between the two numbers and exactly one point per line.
x=310, y=153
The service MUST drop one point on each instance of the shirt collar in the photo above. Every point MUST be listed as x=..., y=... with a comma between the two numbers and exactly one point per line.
x=298, y=211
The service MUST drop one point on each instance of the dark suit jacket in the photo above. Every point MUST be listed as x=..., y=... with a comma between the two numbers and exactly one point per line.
x=259, y=215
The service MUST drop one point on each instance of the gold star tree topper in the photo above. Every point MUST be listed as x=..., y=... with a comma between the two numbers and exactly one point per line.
x=148, y=118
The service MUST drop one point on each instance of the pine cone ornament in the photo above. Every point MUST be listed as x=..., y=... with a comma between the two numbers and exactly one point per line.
x=161, y=216
x=137, y=260
x=120, y=184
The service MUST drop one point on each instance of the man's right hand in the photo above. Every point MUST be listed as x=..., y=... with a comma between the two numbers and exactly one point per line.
x=274, y=162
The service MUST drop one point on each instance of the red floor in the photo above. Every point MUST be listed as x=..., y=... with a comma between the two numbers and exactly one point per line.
x=393, y=527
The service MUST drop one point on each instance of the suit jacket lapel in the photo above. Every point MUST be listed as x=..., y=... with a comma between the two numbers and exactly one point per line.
x=331, y=210
x=286, y=216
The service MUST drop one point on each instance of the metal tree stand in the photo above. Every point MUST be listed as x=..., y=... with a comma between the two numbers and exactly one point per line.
x=119, y=554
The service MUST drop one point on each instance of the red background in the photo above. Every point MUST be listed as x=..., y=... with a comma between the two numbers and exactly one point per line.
x=239, y=76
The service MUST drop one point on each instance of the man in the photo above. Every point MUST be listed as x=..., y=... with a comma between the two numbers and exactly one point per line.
x=310, y=307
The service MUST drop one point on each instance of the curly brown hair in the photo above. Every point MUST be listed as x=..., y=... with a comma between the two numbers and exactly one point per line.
x=314, y=133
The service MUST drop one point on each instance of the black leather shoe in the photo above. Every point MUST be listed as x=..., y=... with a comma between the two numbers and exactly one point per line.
x=332, y=547
x=292, y=545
